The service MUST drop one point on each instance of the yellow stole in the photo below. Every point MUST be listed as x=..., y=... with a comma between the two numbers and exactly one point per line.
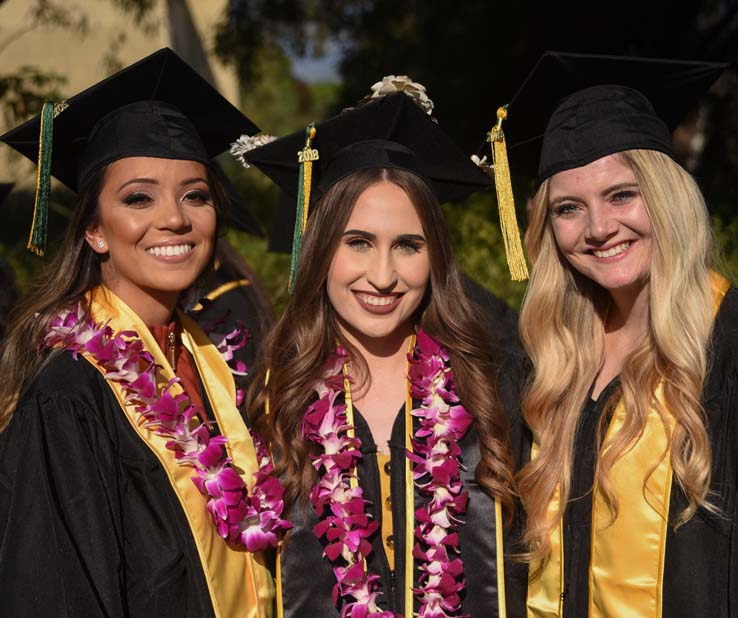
x=223, y=289
x=627, y=560
x=239, y=583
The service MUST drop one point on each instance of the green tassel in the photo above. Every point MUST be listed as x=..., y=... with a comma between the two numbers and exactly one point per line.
x=305, y=157
x=37, y=237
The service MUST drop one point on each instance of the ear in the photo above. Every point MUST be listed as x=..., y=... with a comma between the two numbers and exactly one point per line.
x=96, y=239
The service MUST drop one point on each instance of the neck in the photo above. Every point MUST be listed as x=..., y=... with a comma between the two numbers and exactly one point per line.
x=629, y=311
x=382, y=353
x=152, y=306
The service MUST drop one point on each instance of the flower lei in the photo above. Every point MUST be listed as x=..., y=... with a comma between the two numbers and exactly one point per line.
x=344, y=523
x=251, y=522
x=227, y=343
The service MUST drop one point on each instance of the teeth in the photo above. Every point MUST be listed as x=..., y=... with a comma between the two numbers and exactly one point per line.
x=616, y=250
x=377, y=301
x=169, y=250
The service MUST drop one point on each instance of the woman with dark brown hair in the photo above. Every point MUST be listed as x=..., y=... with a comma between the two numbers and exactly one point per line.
x=378, y=337
x=129, y=482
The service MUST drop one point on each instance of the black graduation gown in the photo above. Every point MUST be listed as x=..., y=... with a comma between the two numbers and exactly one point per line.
x=237, y=303
x=500, y=318
x=307, y=578
x=701, y=559
x=89, y=523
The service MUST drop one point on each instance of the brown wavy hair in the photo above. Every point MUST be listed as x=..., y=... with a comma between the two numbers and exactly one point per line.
x=303, y=339
x=74, y=270
x=562, y=324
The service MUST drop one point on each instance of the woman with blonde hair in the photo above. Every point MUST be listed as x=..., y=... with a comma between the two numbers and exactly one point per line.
x=129, y=482
x=630, y=481
x=378, y=337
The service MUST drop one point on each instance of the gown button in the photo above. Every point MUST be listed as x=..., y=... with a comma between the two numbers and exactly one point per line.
x=390, y=541
x=388, y=503
x=387, y=467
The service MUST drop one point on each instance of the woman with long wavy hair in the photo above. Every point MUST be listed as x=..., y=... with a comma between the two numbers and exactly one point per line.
x=629, y=485
x=130, y=485
x=378, y=336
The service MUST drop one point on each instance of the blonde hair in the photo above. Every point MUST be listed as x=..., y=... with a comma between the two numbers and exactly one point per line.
x=562, y=328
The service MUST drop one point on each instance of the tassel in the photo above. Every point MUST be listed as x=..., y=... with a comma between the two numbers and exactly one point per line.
x=505, y=201
x=305, y=157
x=37, y=238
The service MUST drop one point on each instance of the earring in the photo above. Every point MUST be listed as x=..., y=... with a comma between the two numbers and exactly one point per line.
x=100, y=244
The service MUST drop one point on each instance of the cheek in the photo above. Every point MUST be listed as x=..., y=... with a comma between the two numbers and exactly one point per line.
x=344, y=267
x=564, y=234
x=416, y=272
x=205, y=220
x=125, y=228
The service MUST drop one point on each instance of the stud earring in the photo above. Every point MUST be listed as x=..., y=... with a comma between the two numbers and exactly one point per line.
x=100, y=244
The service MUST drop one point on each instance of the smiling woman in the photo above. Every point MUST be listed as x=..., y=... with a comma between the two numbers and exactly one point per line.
x=155, y=231
x=383, y=404
x=629, y=469
x=129, y=482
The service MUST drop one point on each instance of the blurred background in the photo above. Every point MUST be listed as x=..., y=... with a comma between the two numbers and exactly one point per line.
x=287, y=62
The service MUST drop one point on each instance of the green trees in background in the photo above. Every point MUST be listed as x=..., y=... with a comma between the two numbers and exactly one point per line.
x=471, y=55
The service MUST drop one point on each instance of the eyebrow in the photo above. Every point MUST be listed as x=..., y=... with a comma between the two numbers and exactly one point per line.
x=154, y=181
x=370, y=236
x=617, y=187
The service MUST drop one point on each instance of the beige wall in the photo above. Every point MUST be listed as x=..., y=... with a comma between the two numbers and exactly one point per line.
x=81, y=59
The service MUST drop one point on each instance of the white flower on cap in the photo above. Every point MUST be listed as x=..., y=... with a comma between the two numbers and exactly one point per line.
x=246, y=142
x=484, y=165
x=402, y=83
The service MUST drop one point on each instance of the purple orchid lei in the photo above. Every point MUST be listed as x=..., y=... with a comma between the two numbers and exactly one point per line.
x=344, y=523
x=251, y=522
x=436, y=452
x=226, y=344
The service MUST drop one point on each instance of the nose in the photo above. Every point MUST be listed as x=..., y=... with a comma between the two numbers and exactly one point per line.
x=381, y=273
x=601, y=224
x=172, y=215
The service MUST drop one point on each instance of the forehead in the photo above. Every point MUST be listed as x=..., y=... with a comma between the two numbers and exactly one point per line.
x=594, y=177
x=384, y=207
x=154, y=168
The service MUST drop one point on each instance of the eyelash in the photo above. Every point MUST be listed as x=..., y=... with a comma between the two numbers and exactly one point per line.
x=561, y=210
x=139, y=198
x=362, y=244
x=409, y=246
x=624, y=196
x=198, y=195
x=619, y=197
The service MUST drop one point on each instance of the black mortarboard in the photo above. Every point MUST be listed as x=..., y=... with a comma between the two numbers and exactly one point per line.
x=157, y=107
x=391, y=132
x=585, y=107
x=237, y=214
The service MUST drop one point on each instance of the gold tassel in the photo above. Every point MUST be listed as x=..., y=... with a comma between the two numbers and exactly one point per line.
x=307, y=180
x=505, y=201
x=305, y=158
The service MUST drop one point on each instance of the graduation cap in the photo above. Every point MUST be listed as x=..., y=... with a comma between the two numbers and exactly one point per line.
x=573, y=109
x=157, y=107
x=392, y=132
x=577, y=108
x=237, y=214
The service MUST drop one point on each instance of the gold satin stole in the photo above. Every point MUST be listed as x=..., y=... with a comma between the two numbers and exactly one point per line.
x=627, y=558
x=239, y=582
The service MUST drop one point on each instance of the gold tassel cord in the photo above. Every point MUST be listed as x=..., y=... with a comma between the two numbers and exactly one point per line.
x=307, y=180
x=506, y=202
x=305, y=158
